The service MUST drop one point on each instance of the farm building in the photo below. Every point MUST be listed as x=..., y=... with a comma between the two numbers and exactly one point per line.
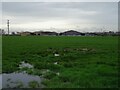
x=71, y=33
x=2, y=32
x=45, y=33
x=24, y=33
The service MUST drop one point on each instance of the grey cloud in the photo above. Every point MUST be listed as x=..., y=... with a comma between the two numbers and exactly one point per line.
x=74, y=12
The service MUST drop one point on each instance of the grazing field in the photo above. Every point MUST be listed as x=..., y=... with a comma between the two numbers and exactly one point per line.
x=0, y=54
x=65, y=61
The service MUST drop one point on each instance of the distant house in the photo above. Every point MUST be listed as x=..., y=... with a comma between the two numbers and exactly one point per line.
x=117, y=33
x=2, y=32
x=66, y=33
x=71, y=33
x=46, y=33
x=91, y=34
x=24, y=33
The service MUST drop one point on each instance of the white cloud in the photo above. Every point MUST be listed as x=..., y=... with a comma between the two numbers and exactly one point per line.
x=32, y=16
x=61, y=1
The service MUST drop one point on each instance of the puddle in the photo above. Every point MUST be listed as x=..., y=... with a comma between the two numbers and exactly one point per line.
x=55, y=63
x=85, y=49
x=58, y=73
x=56, y=55
x=25, y=65
x=0, y=82
x=20, y=80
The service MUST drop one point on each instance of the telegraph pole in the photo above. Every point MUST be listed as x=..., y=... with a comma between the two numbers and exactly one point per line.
x=8, y=26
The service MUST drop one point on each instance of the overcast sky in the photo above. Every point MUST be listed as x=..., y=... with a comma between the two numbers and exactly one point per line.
x=60, y=16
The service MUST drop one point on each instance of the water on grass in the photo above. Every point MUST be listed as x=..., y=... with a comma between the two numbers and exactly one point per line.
x=0, y=82
x=21, y=79
x=25, y=65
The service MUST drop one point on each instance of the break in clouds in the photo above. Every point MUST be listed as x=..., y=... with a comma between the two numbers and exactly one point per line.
x=60, y=16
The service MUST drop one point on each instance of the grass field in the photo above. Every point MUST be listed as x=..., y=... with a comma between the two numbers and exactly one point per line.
x=0, y=54
x=83, y=62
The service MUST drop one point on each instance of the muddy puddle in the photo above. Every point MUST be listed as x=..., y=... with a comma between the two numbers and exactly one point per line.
x=21, y=79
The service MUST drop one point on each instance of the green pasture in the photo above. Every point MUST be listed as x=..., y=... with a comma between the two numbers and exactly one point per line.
x=83, y=62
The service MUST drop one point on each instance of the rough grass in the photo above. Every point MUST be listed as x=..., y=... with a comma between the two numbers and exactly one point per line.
x=84, y=62
x=0, y=54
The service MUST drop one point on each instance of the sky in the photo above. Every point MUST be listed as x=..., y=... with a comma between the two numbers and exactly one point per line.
x=60, y=16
